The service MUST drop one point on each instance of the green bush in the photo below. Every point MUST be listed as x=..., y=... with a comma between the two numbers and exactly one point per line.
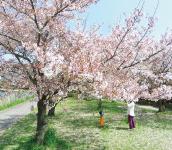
x=50, y=138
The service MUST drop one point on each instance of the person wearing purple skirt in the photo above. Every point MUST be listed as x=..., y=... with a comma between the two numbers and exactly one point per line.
x=131, y=114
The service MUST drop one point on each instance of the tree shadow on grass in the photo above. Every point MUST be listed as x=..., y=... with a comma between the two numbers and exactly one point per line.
x=19, y=132
x=89, y=122
x=59, y=145
x=63, y=145
x=155, y=121
x=121, y=128
x=21, y=137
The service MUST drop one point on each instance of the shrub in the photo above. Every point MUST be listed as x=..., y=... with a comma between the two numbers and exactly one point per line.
x=50, y=138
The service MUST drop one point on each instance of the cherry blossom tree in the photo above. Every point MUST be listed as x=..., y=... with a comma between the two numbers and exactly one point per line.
x=128, y=46
x=156, y=75
x=121, y=55
x=36, y=49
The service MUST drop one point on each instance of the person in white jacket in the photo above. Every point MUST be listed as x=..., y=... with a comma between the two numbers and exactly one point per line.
x=131, y=114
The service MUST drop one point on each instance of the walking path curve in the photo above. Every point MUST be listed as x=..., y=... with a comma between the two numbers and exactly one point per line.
x=11, y=115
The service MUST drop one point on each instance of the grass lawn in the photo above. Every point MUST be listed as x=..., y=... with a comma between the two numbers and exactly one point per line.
x=16, y=102
x=76, y=128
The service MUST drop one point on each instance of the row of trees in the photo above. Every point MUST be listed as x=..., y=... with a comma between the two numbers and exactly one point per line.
x=39, y=52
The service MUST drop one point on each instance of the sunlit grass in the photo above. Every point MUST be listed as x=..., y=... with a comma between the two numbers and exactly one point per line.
x=76, y=128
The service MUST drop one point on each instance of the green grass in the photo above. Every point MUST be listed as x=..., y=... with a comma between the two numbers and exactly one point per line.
x=16, y=102
x=75, y=127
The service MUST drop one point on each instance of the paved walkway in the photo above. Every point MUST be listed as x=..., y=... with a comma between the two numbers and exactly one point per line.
x=11, y=115
x=148, y=107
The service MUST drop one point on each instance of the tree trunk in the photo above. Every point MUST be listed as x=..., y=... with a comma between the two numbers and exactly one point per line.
x=51, y=111
x=161, y=104
x=53, y=105
x=41, y=121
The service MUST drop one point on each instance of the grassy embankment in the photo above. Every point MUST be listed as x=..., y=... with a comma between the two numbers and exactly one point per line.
x=7, y=105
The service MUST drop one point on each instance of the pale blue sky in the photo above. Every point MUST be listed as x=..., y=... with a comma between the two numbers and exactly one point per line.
x=109, y=12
